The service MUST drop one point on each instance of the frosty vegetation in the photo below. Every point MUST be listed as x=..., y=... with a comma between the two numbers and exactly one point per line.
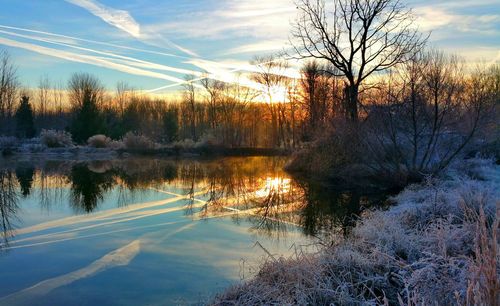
x=437, y=246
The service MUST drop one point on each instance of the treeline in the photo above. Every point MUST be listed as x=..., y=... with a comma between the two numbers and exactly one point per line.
x=230, y=115
x=413, y=120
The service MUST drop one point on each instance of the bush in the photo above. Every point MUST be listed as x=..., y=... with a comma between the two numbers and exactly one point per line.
x=99, y=141
x=116, y=145
x=184, y=144
x=207, y=141
x=7, y=142
x=132, y=141
x=56, y=139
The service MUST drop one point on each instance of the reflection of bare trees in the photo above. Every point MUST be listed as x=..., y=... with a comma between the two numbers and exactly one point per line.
x=8, y=203
x=254, y=190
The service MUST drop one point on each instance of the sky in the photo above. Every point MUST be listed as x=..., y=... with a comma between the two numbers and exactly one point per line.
x=153, y=44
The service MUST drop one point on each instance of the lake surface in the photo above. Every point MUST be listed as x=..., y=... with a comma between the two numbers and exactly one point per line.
x=154, y=231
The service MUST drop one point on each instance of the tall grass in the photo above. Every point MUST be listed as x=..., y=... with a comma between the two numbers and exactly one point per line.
x=437, y=245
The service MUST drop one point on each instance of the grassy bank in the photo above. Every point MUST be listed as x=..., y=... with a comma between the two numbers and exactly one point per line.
x=438, y=244
x=59, y=144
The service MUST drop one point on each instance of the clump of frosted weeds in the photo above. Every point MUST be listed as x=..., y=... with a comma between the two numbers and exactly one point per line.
x=8, y=142
x=133, y=141
x=56, y=139
x=99, y=141
x=437, y=245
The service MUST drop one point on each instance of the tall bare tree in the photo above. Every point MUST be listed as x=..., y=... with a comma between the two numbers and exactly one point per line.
x=190, y=100
x=430, y=112
x=43, y=94
x=358, y=37
x=214, y=88
x=8, y=90
x=123, y=92
x=83, y=86
x=271, y=76
x=58, y=96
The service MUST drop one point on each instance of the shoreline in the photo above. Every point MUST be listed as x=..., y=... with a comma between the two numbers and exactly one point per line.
x=89, y=153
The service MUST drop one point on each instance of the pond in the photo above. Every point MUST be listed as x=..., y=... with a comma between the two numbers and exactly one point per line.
x=144, y=231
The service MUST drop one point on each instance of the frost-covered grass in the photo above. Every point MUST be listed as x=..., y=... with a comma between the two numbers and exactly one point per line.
x=56, y=139
x=99, y=141
x=438, y=245
x=134, y=141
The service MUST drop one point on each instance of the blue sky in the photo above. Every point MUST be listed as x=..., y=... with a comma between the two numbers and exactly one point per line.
x=152, y=44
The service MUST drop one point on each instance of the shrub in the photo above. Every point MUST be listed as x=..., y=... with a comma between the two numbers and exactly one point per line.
x=206, y=141
x=99, y=141
x=116, y=145
x=184, y=144
x=7, y=142
x=136, y=142
x=56, y=139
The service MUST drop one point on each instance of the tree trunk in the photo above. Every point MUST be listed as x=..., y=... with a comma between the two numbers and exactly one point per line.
x=351, y=102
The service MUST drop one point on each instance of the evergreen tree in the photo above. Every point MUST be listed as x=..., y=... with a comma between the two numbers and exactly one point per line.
x=88, y=120
x=24, y=119
x=170, y=125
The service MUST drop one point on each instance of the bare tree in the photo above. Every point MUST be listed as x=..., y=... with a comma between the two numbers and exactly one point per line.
x=214, y=88
x=190, y=100
x=358, y=37
x=8, y=90
x=271, y=77
x=430, y=112
x=123, y=93
x=316, y=94
x=58, y=96
x=43, y=94
x=83, y=86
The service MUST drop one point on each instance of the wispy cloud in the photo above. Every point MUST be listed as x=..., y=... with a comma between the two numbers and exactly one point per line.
x=117, y=18
x=124, y=21
x=252, y=48
x=445, y=19
x=263, y=21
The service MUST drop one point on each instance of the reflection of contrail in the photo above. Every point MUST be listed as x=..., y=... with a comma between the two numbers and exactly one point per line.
x=119, y=257
x=255, y=212
x=135, y=216
x=99, y=215
x=96, y=235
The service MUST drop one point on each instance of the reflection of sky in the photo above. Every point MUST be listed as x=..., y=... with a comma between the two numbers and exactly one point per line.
x=164, y=40
x=148, y=251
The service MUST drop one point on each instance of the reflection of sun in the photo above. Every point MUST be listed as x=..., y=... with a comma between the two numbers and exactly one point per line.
x=273, y=183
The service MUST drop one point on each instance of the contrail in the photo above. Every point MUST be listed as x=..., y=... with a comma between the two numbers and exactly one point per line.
x=124, y=21
x=94, y=42
x=135, y=61
x=87, y=59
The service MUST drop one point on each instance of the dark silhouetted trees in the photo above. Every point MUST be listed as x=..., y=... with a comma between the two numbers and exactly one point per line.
x=359, y=38
x=171, y=125
x=25, y=128
x=86, y=95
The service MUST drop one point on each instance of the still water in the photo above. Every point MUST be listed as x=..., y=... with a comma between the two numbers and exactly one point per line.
x=154, y=231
